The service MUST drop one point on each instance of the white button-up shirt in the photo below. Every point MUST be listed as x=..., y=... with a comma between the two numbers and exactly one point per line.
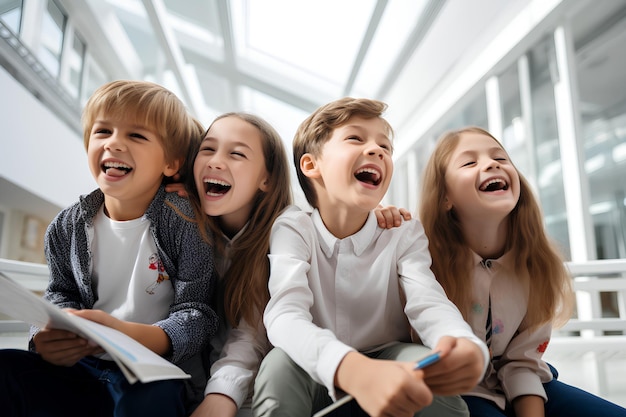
x=330, y=296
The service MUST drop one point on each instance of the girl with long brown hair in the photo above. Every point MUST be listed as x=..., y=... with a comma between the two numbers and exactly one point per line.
x=241, y=184
x=493, y=257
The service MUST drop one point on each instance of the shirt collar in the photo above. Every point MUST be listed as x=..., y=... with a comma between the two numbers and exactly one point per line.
x=229, y=241
x=504, y=260
x=360, y=240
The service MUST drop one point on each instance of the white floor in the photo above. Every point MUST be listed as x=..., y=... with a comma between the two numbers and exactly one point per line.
x=605, y=378
x=582, y=371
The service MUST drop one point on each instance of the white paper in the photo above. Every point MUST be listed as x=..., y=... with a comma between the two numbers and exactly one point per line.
x=136, y=361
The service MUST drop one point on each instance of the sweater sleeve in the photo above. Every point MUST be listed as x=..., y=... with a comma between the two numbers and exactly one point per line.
x=62, y=288
x=431, y=314
x=62, y=248
x=234, y=372
x=524, y=371
x=188, y=259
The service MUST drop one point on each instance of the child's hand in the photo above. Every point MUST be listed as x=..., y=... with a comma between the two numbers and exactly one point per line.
x=152, y=337
x=176, y=187
x=99, y=316
x=62, y=347
x=460, y=367
x=383, y=388
x=391, y=216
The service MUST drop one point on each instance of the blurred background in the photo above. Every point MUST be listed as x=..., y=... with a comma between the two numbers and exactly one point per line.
x=546, y=77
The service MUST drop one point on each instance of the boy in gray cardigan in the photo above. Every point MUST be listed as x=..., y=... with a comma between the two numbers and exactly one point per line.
x=129, y=256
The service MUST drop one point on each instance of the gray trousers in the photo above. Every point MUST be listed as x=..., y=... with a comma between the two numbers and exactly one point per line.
x=282, y=388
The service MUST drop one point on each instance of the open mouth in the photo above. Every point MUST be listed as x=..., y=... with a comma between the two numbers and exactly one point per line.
x=214, y=187
x=368, y=176
x=494, y=184
x=115, y=169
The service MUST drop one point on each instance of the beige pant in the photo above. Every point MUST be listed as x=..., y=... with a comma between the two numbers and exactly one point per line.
x=282, y=388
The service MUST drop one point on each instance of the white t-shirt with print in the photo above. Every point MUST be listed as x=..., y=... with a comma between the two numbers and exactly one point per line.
x=130, y=281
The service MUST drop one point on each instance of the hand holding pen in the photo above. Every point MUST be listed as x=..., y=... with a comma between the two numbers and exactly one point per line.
x=461, y=368
x=420, y=364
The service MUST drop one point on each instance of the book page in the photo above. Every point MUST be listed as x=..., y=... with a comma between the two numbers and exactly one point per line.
x=136, y=361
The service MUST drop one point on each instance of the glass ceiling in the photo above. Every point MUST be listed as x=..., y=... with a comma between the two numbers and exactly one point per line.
x=279, y=59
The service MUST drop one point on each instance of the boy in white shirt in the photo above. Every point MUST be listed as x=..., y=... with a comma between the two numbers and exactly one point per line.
x=346, y=295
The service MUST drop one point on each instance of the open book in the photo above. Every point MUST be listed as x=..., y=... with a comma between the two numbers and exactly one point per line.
x=137, y=362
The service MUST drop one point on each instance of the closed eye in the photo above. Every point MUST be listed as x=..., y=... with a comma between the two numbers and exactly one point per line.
x=138, y=136
x=468, y=163
x=388, y=148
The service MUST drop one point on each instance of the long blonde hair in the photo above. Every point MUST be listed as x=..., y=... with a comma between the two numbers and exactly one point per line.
x=245, y=283
x=536, y=259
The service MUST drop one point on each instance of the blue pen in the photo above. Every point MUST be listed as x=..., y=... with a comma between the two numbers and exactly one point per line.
x=428, y=360
x=420, y=364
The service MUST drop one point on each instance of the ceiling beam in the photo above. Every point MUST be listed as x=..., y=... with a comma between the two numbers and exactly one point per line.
x=157, y=14
x=422, y=26
x=101, y=29
x=230, y=64
x=298, y=97
x=365, y=44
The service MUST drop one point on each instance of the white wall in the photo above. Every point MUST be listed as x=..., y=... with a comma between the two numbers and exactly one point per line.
x=38, y=152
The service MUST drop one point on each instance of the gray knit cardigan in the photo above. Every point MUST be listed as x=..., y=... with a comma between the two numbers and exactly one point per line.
x=187, y=258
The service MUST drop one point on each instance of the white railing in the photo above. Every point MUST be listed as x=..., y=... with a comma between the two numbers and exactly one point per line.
x=592, y=316
x=32, y=276
x=591, y=332
x=597, y=332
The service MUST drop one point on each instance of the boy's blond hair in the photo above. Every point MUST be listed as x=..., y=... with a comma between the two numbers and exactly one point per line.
x=149, y=105
x=317, y=129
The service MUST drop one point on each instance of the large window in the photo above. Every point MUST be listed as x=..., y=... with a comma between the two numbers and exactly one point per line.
x=472, y=110
x=600, y=63
x=514, y=133
x=11, y=14
x=546, y=154
x=75, y=64
x=53, y=26
x=474, y=113
x=94, y=78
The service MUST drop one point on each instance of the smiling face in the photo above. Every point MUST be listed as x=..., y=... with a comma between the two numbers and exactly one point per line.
x=229, y=170
x=481, y=181
x=128, y=163
x=355, y=165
